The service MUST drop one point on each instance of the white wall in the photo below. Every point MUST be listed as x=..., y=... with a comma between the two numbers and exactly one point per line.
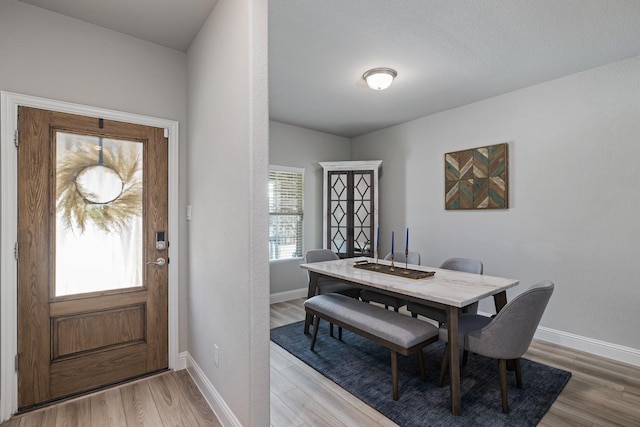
x=49, y=55
x=574, y=182
x=228, y=181
x=303, y=148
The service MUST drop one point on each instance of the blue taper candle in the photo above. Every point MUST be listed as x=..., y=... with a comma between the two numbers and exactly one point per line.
x=406, y=247
x=392, y=237
x=378, y=239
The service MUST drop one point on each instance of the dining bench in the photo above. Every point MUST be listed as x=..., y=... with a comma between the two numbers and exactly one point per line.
x=397, y=332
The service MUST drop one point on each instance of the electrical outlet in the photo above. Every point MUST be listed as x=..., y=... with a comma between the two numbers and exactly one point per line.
x=216, y=359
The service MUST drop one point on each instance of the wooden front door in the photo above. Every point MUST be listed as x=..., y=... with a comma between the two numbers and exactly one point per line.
x=92, y=267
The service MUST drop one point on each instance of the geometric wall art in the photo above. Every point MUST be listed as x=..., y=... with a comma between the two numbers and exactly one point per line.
x=477, y=178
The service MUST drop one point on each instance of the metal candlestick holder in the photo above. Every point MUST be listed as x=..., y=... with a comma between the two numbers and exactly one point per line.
x=392, y=268
x=377, y=266
x=406, y=261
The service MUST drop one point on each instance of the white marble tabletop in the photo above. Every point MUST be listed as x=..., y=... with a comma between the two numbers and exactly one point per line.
x=452, y=288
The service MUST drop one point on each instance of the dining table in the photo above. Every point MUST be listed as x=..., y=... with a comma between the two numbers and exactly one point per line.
x=447, y=289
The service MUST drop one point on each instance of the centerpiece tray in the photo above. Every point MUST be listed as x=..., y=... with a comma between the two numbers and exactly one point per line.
x=397, y=271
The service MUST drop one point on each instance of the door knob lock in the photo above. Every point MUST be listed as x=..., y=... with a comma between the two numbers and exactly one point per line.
x=159, y=262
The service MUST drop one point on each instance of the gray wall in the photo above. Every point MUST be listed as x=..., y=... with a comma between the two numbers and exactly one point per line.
x=52, y=56
x=49, y=55
x=228, y=181
x=302, y=148
x=574, y=182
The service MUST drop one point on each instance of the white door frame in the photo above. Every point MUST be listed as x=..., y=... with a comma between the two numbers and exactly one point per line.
x=9, y=103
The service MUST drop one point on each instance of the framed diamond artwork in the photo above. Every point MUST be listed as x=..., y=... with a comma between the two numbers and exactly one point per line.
x=477, y=178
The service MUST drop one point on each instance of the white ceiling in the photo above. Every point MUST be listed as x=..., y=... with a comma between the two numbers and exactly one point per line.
x=447, y=53
x=170, y=23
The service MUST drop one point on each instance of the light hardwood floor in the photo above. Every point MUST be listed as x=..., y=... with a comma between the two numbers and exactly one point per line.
x=601, y=392
x=168, y=399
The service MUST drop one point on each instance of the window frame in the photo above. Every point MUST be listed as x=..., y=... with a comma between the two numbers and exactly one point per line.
x=301, y=171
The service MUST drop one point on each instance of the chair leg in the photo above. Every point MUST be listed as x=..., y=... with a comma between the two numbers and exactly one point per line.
x=316, y=323
x=394, y=374
x=423, y=374
x=516, y=364
x=414, y=315
x=396, y=309
x=339, y=331
x=445, y=365
x=503, y=385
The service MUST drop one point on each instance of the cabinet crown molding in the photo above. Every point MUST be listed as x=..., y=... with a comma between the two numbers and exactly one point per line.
x=352, y=165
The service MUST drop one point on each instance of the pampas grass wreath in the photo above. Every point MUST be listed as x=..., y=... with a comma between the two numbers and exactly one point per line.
x=77, y=211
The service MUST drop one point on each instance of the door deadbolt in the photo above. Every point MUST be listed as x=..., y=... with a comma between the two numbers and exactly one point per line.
x=161, y=241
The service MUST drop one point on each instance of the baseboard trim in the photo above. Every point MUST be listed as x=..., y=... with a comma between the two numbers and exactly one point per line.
x=599, y=348
x=216, y=402
x=615, y=352
x=288, y=295
x=182, y=360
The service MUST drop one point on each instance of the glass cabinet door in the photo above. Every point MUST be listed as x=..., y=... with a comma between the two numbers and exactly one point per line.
x=350, y=214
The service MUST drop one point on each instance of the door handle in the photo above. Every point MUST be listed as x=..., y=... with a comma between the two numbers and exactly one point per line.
x=158, y=263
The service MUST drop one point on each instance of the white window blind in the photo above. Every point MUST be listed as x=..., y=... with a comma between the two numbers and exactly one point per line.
x=285, y=213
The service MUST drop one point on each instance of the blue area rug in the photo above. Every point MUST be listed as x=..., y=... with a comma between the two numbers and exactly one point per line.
x=364, y=369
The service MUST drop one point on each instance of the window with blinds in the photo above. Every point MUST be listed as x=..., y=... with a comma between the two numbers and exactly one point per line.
x=285, y=212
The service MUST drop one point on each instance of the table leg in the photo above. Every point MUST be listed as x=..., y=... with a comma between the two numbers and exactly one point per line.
x=500, y=300
x=313, y=283
x=454, y=359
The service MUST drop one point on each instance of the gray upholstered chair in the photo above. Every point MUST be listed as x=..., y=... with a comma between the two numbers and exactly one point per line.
x=466, y=265
x=390, y=301
x=327, y=286
x=506, y=336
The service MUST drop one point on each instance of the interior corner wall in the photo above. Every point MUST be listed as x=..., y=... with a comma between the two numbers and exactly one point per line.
x=48, y=55
x=573, y=194
x=228, y=179
x=303, y=148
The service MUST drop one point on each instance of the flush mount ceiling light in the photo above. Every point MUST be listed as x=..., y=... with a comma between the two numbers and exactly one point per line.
x=379, y=78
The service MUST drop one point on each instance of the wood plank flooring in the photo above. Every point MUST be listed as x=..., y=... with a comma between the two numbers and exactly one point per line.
x=601, y=392
x=168, y=399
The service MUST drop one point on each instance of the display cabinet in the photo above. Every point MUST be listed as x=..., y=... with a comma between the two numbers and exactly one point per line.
x=350, y=201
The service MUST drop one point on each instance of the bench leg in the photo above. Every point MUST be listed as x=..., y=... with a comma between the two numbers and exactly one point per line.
x=308, y=320
x=394, y=374
x=423, y=374
x=331, y=330
x=316, y=323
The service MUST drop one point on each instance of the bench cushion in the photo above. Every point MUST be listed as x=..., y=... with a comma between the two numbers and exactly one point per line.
x=390, y=326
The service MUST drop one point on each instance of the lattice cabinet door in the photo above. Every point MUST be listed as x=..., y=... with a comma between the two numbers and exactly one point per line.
x=351, y=207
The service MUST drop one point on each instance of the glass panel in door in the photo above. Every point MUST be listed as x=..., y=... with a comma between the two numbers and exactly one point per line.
x=98, y=219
